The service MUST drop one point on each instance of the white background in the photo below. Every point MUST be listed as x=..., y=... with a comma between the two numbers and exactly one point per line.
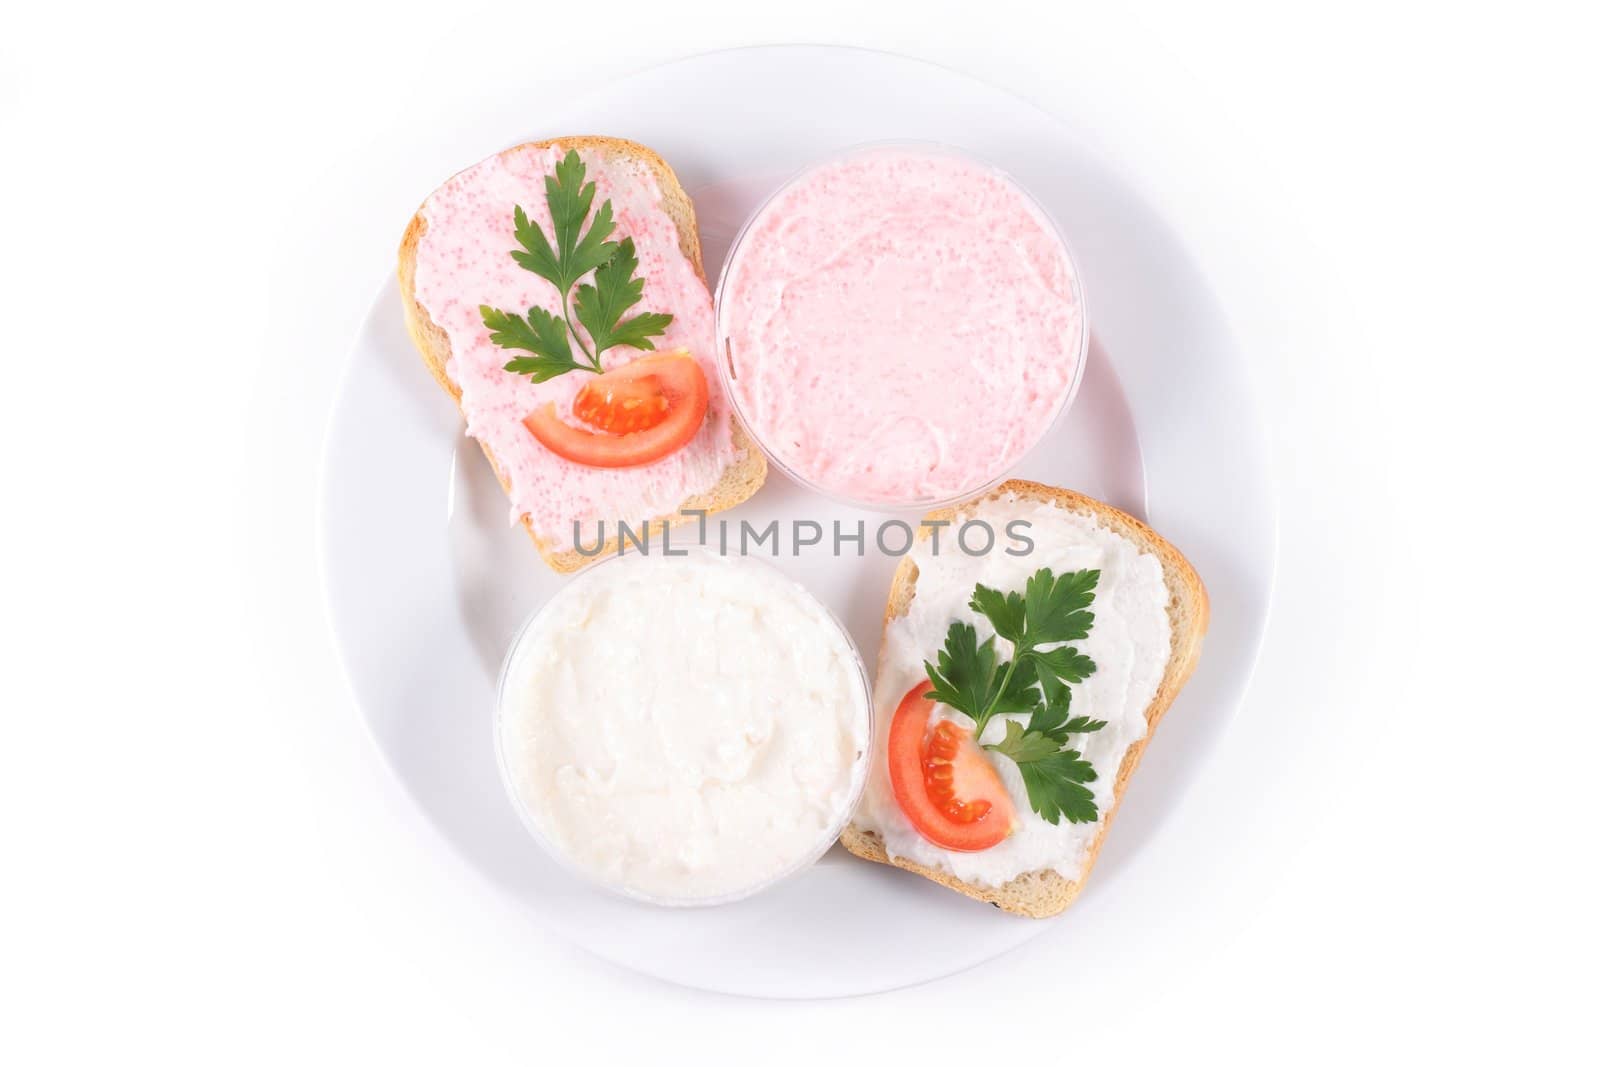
x=209, y=862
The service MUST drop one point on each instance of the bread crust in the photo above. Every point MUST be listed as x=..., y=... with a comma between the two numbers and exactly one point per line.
x=1041, y=894
x=741, y=478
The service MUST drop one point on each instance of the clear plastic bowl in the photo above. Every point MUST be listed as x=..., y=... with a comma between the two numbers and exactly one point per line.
x=824, y=842
x=725, y=355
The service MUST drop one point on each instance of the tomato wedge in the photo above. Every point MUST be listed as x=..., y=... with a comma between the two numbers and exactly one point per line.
x=640, y=412
x=943, y=782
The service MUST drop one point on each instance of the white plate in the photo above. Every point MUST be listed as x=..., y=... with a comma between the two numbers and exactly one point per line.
x=426, y=581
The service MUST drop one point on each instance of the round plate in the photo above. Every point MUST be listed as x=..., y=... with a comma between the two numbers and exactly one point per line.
x=426, y=580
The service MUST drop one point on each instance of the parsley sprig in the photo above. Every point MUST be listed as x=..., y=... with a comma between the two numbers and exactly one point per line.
x=599, y=305
x=1039, y=623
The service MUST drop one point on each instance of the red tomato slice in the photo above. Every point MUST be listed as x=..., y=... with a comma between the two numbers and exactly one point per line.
x=943, y=782
x=641, y=412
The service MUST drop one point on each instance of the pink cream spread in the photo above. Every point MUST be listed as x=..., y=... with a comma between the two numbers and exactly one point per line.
x=901, y=324
x=464, y=260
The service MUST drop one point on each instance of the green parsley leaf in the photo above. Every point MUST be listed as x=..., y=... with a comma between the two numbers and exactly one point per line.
x=540, y=333
x=1055, y=719
x=1005, y=611
x=1059, y=667
x=636, y=332
x=574, y=254
x=1024, y=746
x=1055, y=789
x=1082, y=724
x=1052, y=775
x=569, y=198
x=1064, y=662
x=965, y=678
x=1054, y=607
x=600, y=306
x=972, y=678
x=537, y=255
x=1019, y=694
x=1051, y=772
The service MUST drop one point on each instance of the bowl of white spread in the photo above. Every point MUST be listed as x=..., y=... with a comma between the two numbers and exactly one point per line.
x=683, y=730
x=899, y=324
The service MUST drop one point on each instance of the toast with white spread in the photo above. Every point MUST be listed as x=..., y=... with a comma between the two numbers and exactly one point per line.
x=1150, y=612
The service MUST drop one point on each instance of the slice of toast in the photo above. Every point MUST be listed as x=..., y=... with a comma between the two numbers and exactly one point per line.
x=739, y=480
x=1041, y=894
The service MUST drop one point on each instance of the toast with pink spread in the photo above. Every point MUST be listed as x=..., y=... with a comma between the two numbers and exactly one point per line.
x=456, y=261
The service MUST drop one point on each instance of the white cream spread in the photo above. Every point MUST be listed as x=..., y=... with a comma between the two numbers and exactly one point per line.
x=684, y=729
x=1130, y=644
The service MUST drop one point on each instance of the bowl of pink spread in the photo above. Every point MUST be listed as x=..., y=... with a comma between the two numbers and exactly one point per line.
x=899, y=325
